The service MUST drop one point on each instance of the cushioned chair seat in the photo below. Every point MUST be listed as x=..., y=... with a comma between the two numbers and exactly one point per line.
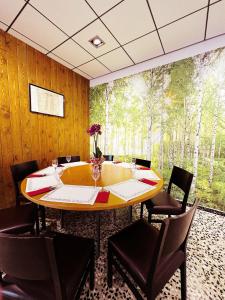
x=164, y=203
x=136, y=259
x=17, y=219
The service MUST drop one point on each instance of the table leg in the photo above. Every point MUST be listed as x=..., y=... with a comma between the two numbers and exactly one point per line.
x=130, y=214
x=98, y=224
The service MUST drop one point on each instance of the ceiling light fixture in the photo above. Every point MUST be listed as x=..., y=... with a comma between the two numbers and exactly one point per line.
x=96, y=41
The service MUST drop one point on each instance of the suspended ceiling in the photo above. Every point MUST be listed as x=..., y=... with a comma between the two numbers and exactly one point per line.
x=133, y=30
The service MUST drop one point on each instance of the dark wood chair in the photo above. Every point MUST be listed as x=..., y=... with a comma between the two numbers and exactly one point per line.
x=49, y=268
x=164, y=203
x=151, y=256
x=18, y=219
x=143, y=162
x=108, y=157
x=62, y=159
x=19, y=172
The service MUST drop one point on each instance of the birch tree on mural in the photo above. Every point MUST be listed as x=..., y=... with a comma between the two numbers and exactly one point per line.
x=172, y=115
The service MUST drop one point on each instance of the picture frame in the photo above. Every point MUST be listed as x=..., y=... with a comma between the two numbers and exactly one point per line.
x=45, y=101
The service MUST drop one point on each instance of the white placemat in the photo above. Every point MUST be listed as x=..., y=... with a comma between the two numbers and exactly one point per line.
x=148, y=174
x=47, y=171
x=129, y=189
x=73, y=194
x=75, y=164
x=124, y=165
x=37, y=183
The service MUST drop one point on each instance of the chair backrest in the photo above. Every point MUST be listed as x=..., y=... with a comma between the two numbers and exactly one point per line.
x=22, y=170
x=108, y=157
x=62, y=159
x=143, y=162
x=29, y=258
x=182, y=179
x=172, y=237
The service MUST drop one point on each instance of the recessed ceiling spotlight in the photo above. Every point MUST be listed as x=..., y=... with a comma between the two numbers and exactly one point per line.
x=96, y=41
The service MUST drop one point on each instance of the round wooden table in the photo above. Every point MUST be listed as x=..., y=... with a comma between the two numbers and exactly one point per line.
x=81, y=175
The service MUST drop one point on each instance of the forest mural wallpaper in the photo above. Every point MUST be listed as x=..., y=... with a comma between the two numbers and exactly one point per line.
x=172, y=115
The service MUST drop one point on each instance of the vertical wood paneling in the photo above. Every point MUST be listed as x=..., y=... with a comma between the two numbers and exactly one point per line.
x=25, y=135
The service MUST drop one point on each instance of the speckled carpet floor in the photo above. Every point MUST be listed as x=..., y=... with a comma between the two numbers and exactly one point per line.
x=205, y=262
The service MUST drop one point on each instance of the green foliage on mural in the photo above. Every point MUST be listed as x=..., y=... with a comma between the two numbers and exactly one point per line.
x=172, y=115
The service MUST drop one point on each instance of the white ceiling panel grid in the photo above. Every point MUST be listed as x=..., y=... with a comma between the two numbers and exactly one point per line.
x=165, y=12
x=144, y=48
x=36, y=27
x=27, y=41
x=116, y=59
x=216, y=19
x=61, y=61
x=82, y=73
x=184, y=32
x=72, y=53
x=133, y=31
x=94, y=69
x=129, y=20
x=101, y=6
x=96, y=28
x=9, y=10
x=69, y=15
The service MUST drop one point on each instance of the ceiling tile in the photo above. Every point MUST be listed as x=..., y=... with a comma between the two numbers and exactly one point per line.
x=82, y=73
x=61, y=61
x=165, y=12
x=27, y=41
x=216, y=20
x=72, y=53
x=69, y=15
x=116, y=60
x=34, y=26
x=3, y=26
x=9, y=10
x=100, y=6
x=129, y=20
x=184, y=32
x=94, y=69
x=144, y=48
x=96, y=28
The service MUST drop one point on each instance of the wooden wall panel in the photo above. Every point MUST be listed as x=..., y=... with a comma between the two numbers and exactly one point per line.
x=24, y=135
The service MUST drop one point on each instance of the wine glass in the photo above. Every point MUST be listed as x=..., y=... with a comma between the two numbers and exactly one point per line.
x=55, y=163
x=59, y=173
x=68, y=158
x=95, y=173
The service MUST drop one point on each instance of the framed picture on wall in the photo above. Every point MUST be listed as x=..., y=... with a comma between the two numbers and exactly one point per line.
x=45, y=101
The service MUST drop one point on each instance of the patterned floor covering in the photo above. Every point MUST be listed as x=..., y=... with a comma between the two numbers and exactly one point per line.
x=205, y=262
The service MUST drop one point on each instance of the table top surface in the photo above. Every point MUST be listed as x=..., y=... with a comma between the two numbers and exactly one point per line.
x=81, y=175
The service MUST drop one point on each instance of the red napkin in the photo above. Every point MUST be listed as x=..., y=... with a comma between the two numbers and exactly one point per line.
x=147, y=181
x=40, y=191
x=102, y=197
x=143, y=168
x=36, y=175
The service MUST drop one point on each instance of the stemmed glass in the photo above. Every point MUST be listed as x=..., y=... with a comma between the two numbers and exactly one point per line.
x=55, y=163
x=95, y=173
x=68, y=158
x=59, y=174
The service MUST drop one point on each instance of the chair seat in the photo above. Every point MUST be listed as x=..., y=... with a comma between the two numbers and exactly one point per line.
x=17, y=219
x=164, y=203
x=136, y=259
x=72, y=256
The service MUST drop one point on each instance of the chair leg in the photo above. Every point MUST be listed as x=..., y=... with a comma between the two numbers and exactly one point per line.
x=109, y=271
x=183, y=281
x=42, y=216
x=142, y=210
x=149, y=217
x=130, y=214
x=92, y=272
